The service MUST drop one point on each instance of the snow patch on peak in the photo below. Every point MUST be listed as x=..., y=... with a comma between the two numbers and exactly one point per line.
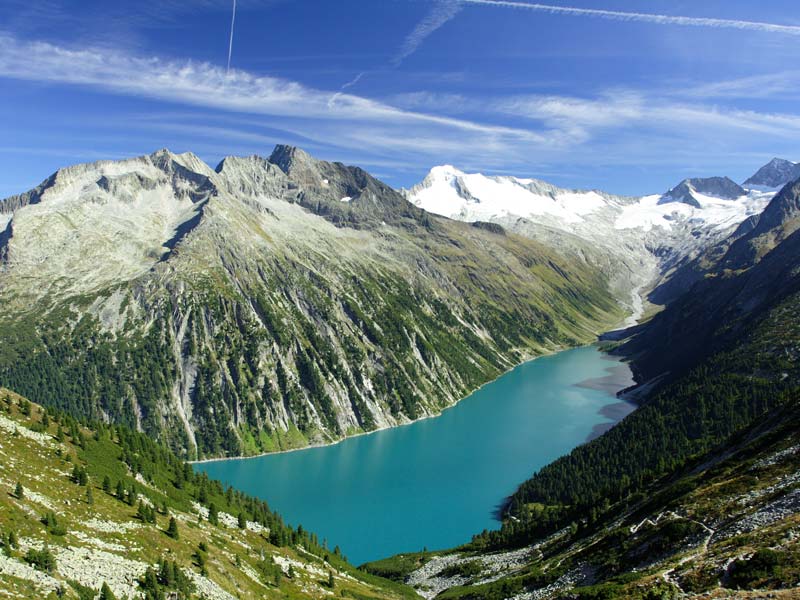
x=473, y=196
x=689, y=191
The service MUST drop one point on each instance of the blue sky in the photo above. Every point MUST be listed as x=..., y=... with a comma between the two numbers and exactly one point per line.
x=622, y=95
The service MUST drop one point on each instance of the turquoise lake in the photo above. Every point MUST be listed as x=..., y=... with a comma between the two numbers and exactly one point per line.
x=438, y=481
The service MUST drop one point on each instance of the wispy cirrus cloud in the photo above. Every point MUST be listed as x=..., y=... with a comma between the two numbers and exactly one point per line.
x=618, y=110
x=349, y=121
x=767, y=85
x=657, y=19
x=412, y=131
x=204, y=84
x=441, y=13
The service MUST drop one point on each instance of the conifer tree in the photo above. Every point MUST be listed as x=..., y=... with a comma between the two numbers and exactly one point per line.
x=106, y=593
x=172, y=529
x=19, y=491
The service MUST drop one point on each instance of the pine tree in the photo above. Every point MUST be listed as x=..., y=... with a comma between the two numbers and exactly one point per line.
x=19, y=491
x=131, y=496
x=106, y=593
x=89, y=496
x=120, y=491
x=331, y=581
x=172, y=529
x=213, y=515
x=106, y=484
x=242, y=521
x=12, y=540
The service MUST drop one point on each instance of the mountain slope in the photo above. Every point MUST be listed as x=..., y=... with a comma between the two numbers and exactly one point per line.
x=738, y=282
x=66, y=529
x=724, y=526
x=638, y=243
x=269, y=303
x=689, y=191
x=695, y=492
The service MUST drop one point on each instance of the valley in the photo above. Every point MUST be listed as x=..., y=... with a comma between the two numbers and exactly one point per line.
x=272, y=304
x=435, y=482
x=399, y=300
x=248, y=309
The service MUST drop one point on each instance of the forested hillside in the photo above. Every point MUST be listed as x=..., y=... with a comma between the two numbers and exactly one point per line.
x=721, y=373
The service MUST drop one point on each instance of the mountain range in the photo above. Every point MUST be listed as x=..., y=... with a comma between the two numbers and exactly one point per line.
x=637, y=242
x=272, y=303
x=268, y=303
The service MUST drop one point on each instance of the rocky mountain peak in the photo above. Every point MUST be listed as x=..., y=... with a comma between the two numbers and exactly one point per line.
x=291, y=158
x=780, y=219
x=251, y=175
x=166, y=160
x=775, y=173
x=718, y=187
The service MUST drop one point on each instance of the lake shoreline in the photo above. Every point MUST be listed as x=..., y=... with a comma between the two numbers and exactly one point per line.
x=448, y=476
x=597, y=383
x=378, y=430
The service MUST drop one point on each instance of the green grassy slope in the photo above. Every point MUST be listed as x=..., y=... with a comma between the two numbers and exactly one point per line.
x=66, y=531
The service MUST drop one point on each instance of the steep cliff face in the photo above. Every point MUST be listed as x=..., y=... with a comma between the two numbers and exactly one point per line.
x=269, y=303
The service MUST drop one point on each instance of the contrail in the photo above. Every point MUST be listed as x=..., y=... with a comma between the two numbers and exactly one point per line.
x=643, y=17
x=230, y=42
x=350, y=83
x=354, y=80
x=442, y=12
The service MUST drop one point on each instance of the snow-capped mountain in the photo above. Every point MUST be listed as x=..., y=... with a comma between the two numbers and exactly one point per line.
x=775, y=174
x=637, y=240
x=690, y=191
x=248, y=308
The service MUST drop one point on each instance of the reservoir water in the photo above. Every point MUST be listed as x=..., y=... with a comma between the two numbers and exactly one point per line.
x=438, y=481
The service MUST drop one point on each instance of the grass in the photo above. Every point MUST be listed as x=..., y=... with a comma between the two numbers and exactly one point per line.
x=44, y=469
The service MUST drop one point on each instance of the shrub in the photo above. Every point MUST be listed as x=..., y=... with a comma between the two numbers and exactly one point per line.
x=41, y=559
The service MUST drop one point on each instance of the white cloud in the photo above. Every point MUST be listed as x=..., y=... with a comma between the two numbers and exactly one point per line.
x=784, y=83
x=203, y=84
x=643, y=17
x=619, y=109
x=247, y=112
